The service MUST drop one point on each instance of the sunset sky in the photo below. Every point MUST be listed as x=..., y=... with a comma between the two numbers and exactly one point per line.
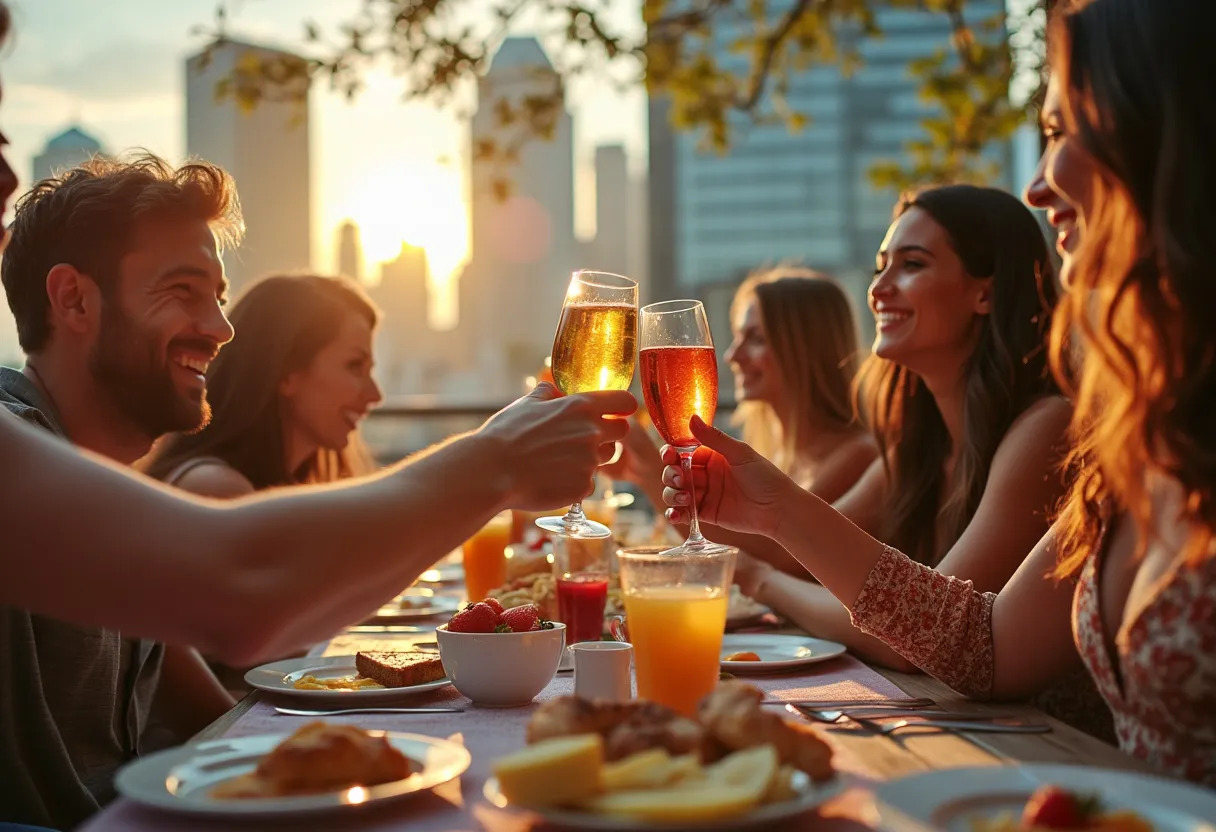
x=116, y=68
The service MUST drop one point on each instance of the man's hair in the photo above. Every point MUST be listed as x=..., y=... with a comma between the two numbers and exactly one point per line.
x=87, y=218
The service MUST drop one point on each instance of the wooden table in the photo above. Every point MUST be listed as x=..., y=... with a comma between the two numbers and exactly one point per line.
x=867, y=757
x=910, y=753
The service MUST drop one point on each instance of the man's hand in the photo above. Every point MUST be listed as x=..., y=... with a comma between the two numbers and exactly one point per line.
x=547, y=446
x=736, y=487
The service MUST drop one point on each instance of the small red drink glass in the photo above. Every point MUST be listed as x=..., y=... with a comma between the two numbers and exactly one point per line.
x=580, y=568
x=580, y=602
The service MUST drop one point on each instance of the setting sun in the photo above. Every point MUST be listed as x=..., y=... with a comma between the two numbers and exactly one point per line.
x=415, y=202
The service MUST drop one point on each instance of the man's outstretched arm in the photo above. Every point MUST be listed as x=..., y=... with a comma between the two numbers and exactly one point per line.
x=91, y=543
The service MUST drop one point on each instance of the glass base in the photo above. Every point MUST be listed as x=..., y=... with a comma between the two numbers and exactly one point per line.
x=704, y=548
x=576, y=529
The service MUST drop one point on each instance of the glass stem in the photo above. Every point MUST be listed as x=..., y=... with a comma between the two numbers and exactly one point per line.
x=575, y=514
x=695, y=538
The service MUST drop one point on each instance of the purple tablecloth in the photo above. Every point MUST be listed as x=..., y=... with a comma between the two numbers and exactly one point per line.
x=488, y=734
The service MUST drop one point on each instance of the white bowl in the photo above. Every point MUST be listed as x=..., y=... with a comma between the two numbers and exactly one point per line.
x=501, y=670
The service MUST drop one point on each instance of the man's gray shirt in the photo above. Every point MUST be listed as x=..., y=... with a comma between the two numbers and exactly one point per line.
x=74, y=701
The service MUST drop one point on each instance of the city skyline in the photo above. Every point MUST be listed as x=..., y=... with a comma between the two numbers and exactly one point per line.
x=116, y=70
x=66, y=148
x=416, y=200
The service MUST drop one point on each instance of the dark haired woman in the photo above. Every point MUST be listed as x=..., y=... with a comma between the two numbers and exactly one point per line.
x=967, y=417
x=1125, y=583
x=287, y=395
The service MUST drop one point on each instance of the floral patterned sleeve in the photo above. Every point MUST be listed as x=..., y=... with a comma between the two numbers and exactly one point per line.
x=937, y=622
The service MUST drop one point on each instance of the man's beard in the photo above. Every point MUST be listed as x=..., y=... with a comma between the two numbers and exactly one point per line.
x=126, y=364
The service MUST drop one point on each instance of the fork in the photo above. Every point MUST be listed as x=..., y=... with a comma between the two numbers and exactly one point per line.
x=977, y=727
x=853, y=703
x=859, y=714
x=430, y=710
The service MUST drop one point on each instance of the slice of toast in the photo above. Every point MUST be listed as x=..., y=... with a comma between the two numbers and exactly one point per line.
x=400, y=670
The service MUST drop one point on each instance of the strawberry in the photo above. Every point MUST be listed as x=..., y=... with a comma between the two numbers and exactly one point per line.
x=1052, y=807
x=475, y=618
x=494, y=604
x=520, y=619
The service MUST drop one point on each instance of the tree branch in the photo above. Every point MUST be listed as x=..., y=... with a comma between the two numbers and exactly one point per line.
x=768, y=52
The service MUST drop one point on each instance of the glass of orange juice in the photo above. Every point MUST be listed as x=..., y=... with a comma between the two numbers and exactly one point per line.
x=675, y=610
x=485, y=559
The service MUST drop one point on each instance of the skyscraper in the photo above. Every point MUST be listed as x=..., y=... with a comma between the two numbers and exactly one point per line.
x=402, y=339
x=69, y=148
x=524, y=246
x=350, y=252
x=611, y=249
x=663, y=279
x=637, y=235
x=266, y=149
x=778, y=195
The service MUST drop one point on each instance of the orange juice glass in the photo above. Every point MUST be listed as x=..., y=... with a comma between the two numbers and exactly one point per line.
x=675, y=610
x=485, y=559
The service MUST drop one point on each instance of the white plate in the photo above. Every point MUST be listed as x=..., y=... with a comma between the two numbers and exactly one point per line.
x=428, y=604
x=810, y=795
x=450, y=574
x=954, y=799
x=776, y=652
x=181, y=779
x=743, y=610
x=280, y=677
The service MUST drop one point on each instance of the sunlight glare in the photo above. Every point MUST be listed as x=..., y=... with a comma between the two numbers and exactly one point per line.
x=412, y=201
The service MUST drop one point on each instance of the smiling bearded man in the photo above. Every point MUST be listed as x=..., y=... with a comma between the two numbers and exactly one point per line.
x=113, y=274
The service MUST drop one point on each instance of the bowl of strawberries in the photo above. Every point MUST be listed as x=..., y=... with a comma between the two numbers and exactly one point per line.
x=500, y=658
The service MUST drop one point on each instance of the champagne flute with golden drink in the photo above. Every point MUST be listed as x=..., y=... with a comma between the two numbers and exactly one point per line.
x=680, y=379
x=595, y=349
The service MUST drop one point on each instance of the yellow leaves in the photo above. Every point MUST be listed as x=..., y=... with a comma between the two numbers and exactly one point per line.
x=504, y=113
x=717, y=62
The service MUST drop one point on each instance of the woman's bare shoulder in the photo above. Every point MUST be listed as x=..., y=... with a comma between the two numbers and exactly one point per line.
x=844, y=467
x=214, y=478
x=1044, y=421
x=858, y=452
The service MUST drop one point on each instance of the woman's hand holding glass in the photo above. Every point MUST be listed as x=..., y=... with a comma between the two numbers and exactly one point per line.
x=737, y=488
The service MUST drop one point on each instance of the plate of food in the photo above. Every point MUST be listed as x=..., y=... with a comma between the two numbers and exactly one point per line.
x=414, y=604
x=1038, y=798
x=538, y=586
x=638, y=765
x=530, y=580
x=321, y=767
x=744, y=653
x=446, y=574
x=741, y=610
x=369, y=678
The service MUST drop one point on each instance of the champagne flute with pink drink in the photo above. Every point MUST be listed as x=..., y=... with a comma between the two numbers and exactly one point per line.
x=679, y=380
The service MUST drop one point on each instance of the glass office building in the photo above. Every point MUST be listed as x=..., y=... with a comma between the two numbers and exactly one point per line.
x=802, y=196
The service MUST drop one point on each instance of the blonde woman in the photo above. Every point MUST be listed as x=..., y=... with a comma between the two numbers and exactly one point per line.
x=794, y=353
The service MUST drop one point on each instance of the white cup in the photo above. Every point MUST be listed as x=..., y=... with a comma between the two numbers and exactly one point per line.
x=601, y=670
